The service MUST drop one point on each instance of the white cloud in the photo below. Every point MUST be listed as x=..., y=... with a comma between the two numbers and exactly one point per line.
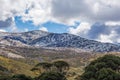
x=11, y=8
x=2, y=30
x=105, y=38
x=81, y=29
x=38, y=11
x=112, y=23
x=43, y=29
x=109, y=38
x=61, y=11
x=118, y=40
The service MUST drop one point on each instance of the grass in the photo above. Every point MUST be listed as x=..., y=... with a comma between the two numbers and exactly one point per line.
x=16, y=67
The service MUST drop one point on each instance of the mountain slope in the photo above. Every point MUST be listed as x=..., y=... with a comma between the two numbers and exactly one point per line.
x=69, y=40
x=20, y=39
x=44, y=39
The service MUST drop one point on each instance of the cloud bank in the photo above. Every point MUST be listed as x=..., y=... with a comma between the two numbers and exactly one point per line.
x=99, y=19
x=98, y=31
x=63, y=11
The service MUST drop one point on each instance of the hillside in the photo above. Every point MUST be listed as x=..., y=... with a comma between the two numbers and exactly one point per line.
x=14, y=67
x=54, y=40
x=73, y=56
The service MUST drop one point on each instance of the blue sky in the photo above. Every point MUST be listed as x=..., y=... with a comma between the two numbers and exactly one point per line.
x=24, y=25
x=51, y=26
x=93, y=19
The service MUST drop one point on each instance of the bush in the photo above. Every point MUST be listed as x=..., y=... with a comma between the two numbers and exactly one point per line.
x=104, y=68
x=5, y=78
x=51, y=76
x=62, y=66
x=20, y=77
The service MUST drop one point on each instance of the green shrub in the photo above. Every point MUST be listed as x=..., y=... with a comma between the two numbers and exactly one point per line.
x=51, y=76
x=21, y=77
x=104, y=68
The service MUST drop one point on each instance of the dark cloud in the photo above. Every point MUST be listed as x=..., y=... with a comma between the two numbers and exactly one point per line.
x=97, y=29
x=88, y=10
x=111, y=33
x=69, y=8
x=106, y=13
x=8, y=22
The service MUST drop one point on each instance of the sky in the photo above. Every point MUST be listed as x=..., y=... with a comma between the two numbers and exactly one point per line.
x=92, y=19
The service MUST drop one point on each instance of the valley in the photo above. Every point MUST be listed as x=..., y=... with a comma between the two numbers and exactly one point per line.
x=20, y=52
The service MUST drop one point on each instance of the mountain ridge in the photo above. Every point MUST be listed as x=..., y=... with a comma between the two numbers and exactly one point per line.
x=39, y=38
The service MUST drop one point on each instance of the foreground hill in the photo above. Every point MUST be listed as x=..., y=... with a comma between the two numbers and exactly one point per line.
x=54, y=40
x=11, y=67
x=30, y=56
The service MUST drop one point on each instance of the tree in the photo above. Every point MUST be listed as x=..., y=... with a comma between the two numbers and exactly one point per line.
x=42, y=67
x=107, y=61
x=57, y=66
x=61, y=66
x=104, y=68
x=108, y=74
x=51, y=76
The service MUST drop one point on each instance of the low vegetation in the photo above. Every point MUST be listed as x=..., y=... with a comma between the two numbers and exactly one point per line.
x=11, y=67
x=51, y=71
x=104, y=68
x=51, y=76
x=57, y=66
x=60, y=65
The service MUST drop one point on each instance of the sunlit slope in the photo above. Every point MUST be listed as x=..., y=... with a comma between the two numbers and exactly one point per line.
x=15, y=67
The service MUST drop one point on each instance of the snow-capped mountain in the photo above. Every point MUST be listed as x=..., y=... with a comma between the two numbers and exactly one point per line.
x=20, y=39
x=44, y=39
